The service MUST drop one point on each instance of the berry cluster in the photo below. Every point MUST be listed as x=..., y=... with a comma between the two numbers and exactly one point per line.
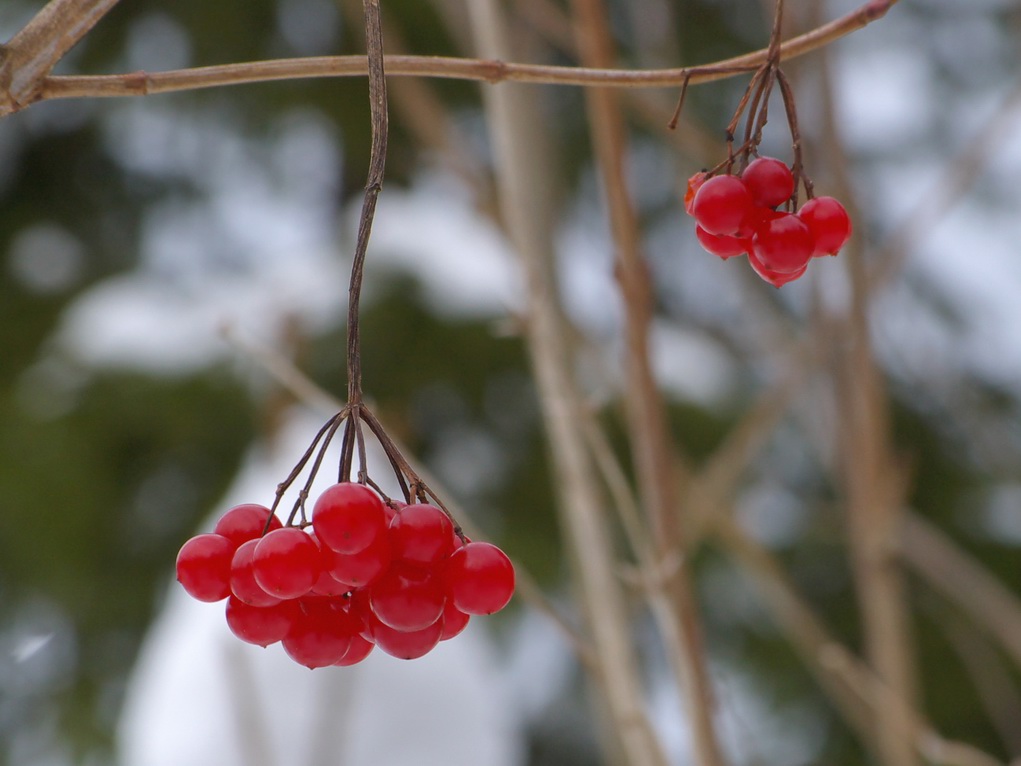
x=739, y=214
x=363, y=574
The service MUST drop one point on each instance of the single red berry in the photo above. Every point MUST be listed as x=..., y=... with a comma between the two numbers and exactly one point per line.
x=361, y=568
x=348, y=516
x=721, y=205
x=721, y=245
x=203, y=567
x=454, y=621
x=774, y=278
x=406, y=598
x=408, y=645
x=242, y=577
x=245, y=522
x=286, y=563
x=479, y=578
x=769, y=181
x=262, y=625
x=421, y=534
x=356, y=652
x=321, y=633
x=694, y=184
x=829, y=223
x=783, y=244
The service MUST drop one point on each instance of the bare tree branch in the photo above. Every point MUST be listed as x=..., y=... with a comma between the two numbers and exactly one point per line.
x=29, y=57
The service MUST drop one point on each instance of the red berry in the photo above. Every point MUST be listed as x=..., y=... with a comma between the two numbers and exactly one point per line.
x=361, y=568
x=721, y=245
x=829, y=223
x=203, y=567
x=408, y=645
x=262, y=625
x=721, y=205
x=286, y=563
x=774, y=278
x=321, y=633
x=454, y=621
x=245, y=522
x=479, y=578
x=769, y=181
x=421, y=534
x=407, y=599
x=783, y=244
x=242, y=577
x=356, y=652
x=348, y=516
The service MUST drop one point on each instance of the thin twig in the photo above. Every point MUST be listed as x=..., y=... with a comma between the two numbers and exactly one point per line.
x=483, y=70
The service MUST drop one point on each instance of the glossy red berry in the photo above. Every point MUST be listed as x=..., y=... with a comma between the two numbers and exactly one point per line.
x=829, y=223
x=356, y=652
x=286, y=563
x=242, y=577
x=361, y=568
x=407, y=599
x=348, y=516
x=783, y=244
x=321, y=633
x=245, y=522
x=774, y=278
x=262, y=625
x=421, y=534
x=721, y=245
x=479, y=578
x=203, y=567
x=454, y=621
x=721, y=205
x=769, y=181
x=408, y=645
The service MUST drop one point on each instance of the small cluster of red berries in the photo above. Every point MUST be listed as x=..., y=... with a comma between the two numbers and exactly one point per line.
x=738, y=215
x=364, y=574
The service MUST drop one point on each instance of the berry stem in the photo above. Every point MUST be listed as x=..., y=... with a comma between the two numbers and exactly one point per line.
x=373, y=185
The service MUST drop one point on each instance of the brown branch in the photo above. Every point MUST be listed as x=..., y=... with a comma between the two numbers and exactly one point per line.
x=651, y=444
x=29, y=57
x=483, y=70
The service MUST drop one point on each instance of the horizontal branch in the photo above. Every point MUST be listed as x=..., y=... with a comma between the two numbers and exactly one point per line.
x=483, y=70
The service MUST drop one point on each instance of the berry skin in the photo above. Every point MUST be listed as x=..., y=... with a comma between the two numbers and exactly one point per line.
x=408, y=645
x=203, y=567
x=245, y=522
x=347, y=517
x=242, y=577
x=722, y=246
x=262, y=625
x=286, y=563
x=321, y=633
x=479, y=578
x=783, y=245
x=356, y=652
x=721, y=205
x=769, y=181
x=407, y=599
x=361, y=568
x=454, y=621
x=774, y=278
x=421, y=534
x=829, y=223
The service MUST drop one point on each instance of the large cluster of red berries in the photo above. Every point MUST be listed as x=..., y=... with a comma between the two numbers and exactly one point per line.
x=739, y=214
x=363, y=574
